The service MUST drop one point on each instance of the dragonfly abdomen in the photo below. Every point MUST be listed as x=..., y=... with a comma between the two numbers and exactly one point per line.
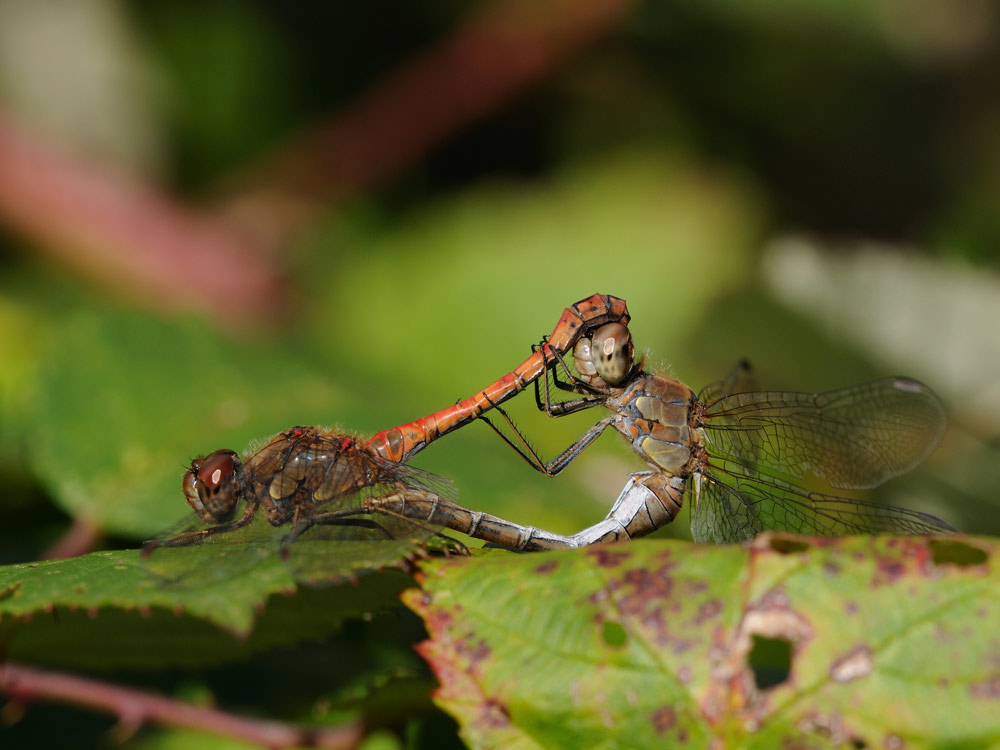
x=402, y=443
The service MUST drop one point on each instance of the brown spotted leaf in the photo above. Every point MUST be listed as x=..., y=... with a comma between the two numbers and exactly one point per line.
x=788, y=643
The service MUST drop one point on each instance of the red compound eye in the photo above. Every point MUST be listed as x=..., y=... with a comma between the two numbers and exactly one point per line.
x=215, y=469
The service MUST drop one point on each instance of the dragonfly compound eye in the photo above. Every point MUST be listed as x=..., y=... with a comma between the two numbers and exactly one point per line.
x=211, y=485
x=612, y=352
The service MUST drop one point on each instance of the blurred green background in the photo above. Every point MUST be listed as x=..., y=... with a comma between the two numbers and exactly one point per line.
x=220, y=219
x=809, y=185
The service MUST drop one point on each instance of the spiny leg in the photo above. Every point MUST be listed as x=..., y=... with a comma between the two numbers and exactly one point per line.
x=593, y=396
x=522, y=447
x=560, y=462
x=302, y=522
x=524, y=450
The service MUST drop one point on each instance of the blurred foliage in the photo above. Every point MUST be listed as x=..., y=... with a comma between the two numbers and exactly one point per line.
x=725, y=168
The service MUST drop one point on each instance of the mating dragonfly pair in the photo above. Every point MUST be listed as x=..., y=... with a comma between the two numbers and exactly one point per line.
x=735, y=452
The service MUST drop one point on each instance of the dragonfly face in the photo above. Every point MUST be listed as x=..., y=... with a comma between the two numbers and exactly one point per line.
x=605, y=359
x=211, y=485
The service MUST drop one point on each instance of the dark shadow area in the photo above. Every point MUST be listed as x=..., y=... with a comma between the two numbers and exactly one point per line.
x=770, y=659
x=785, y=546
x=955, y=552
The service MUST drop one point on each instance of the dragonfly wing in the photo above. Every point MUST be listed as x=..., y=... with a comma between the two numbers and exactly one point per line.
x=190, y=522
x=854, y=437
x=772, y=504
x=212, y=559
x=720, y=514
x=357, y=520
x=426, y=480
x=369, y=536
x=741, y=379
x=257, y=530
x=353, y=516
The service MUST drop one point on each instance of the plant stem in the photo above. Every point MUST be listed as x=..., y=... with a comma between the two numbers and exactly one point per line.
x=135, y=707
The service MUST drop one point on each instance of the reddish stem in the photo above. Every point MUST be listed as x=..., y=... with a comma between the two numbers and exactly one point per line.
x=135, y=707
x=108, y=226
x=500, y=49
x=80, y=538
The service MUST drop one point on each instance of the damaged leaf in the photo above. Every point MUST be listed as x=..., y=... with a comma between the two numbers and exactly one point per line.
x=854, y=642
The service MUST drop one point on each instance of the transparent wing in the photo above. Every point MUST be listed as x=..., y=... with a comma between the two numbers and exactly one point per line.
x=349, y=519
x=258, y=530
x=719, y=513
x=854, y=437
x=190, y=522
x=741, y=379
x=400, y=534
x=426, y=480
x=353, y=521
x=735, y=504
x=230, y=555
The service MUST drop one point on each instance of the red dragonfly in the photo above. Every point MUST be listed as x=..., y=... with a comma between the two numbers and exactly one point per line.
x=738, y=452
x=307, y=476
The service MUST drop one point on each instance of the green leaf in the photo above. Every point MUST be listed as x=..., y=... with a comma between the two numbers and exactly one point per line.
x=791, y=642
x=106, y=608
x=124, y=401
x=184, y=739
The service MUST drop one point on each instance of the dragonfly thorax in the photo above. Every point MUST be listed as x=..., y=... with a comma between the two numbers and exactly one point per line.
x=655, y=414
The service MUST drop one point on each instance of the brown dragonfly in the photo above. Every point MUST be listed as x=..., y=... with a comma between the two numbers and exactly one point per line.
x=739, y=453
x=306, y=477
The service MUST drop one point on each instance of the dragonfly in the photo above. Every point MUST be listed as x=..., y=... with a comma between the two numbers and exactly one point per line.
x=739, y=453
x=308, y=476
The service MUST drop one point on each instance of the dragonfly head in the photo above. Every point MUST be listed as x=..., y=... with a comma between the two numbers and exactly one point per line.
x=608, y=354
x=212, y=485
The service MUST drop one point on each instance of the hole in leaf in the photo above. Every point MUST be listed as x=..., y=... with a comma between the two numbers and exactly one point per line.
x=859, y=744
x=770, y=659
x=614, y=634
x=954, y=552
x=785, y=546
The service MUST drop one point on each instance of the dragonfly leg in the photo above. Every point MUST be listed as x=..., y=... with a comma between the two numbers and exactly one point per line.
x=301, y=523
x=562, y=408
x=524, y=450
x=559, y=463
x=592, y=396
x=192, y=537
x=564, y=459
x=574, y=383
x=557, y=359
